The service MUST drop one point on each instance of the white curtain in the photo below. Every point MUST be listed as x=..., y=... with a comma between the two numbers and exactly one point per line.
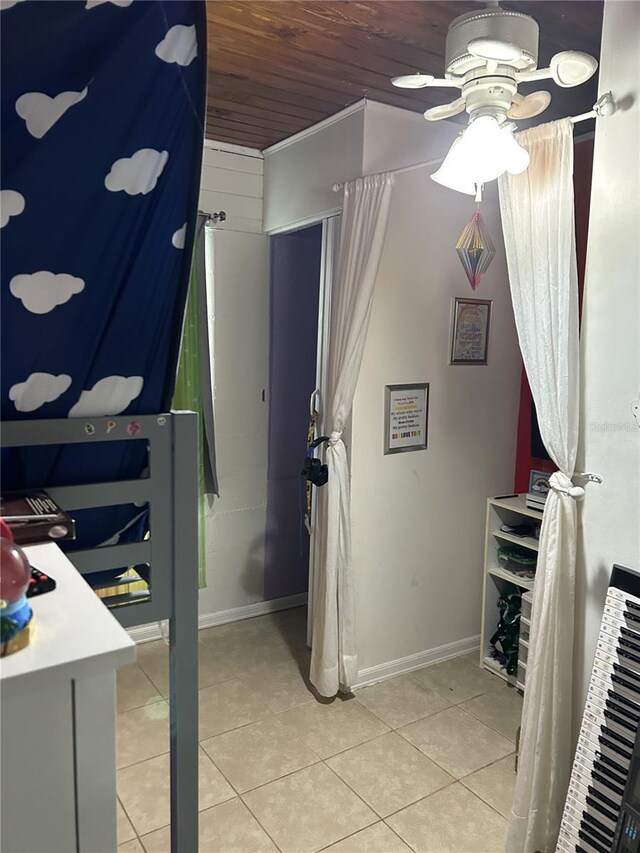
x=538, y=224
x=334, y=662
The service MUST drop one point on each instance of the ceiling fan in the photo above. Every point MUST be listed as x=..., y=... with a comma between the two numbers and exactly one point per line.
x=488, y=53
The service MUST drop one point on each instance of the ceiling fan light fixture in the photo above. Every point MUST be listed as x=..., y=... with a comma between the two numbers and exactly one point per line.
x=516, y=158
x=483, y=152
x=484, y=147
x=453, y=171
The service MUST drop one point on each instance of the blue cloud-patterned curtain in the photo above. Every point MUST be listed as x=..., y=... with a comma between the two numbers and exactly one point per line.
x=102, y=129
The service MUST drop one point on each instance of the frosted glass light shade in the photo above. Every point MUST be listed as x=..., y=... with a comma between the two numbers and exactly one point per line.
x=481, y=154
x=453, y=170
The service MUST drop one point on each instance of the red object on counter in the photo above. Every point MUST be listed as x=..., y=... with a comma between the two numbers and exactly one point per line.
x=15, y=571
x=5, y=531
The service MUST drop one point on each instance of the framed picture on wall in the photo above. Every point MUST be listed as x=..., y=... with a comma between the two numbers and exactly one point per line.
x=471, y=323
x=406, y=417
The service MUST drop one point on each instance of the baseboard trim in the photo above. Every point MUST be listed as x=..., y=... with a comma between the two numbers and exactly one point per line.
x=148, y=633
x=382, y=671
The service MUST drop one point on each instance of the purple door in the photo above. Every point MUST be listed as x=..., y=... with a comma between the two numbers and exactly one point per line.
x=295, y=289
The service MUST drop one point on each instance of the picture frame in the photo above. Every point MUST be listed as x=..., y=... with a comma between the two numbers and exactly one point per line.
x=406, y=417
x=539, y=483
x=470, y=330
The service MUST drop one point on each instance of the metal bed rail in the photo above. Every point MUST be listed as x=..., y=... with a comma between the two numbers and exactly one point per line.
x=171, y=551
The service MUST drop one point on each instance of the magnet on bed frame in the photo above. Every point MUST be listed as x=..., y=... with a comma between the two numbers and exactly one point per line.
x=110, y=425
x=89, y=429
x=133, y=428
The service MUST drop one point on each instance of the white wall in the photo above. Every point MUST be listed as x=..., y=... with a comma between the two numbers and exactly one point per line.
x=418, y=518
x=300, y=171
x=611, y=338
x=232, y=181
x=394, y=138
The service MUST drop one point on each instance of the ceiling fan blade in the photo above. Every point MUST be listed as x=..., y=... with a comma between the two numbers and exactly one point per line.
x=528, y=106
x=412, y=81
x=445, y=110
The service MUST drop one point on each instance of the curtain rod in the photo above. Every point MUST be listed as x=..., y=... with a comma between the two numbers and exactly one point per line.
x=604, y=106
x=213, y=217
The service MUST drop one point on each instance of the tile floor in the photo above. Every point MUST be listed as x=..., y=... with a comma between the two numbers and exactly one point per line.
x=422, y=762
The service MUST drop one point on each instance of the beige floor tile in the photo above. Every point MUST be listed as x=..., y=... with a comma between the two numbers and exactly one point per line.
x=451, y=821
x=154, y=662
x=308, y=810
x=142, y=733
x=458, y=679
x=291, y=625
x=329, y=729
x=134, y=690
x=456, y=741
x=214, y=666
x=500, y=710
x=495, y=784
x=227, y=828
x=126, y=832
x=258, y=753
x=271, y=650
x=227, y=706
x=388, y=773
x=280, y=686
x=374, y=839
x=144, y=791
x=400, y=701
x=133, y=846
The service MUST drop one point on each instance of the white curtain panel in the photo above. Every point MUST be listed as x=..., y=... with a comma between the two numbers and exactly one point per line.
x=334, y=662
x=537, y=210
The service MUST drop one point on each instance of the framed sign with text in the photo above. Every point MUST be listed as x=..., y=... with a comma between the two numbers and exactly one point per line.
x=406, y=417
x=470, y=331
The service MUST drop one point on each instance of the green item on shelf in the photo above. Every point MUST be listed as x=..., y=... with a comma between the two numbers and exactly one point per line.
x=517, y=560
x=506, y=638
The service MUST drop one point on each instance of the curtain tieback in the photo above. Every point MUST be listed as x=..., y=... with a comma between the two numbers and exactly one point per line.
x=335, y=437
x=559, y=482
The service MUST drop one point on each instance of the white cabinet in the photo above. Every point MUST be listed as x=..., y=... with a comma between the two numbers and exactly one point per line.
x=57, y=706
x=505, y=511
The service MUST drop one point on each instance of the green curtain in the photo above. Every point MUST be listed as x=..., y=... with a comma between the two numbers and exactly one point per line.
x=188, y=395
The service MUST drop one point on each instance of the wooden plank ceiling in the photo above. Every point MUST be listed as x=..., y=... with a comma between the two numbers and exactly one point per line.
x=279, y=66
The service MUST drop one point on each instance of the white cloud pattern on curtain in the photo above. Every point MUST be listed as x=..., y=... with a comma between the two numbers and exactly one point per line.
x=41, y=292
x=179, y=45
x=138, y=174
x=334, y=661
x=177, y=239
x=537, y=210
x=38, y=389
x=109, y=396
x=11, y=204
x=40, y=112
x=91, y=4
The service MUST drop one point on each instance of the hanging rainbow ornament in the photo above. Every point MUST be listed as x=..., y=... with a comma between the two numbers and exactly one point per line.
x=475, y=249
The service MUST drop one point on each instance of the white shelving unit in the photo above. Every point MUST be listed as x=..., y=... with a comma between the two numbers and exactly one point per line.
x=503, y=511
